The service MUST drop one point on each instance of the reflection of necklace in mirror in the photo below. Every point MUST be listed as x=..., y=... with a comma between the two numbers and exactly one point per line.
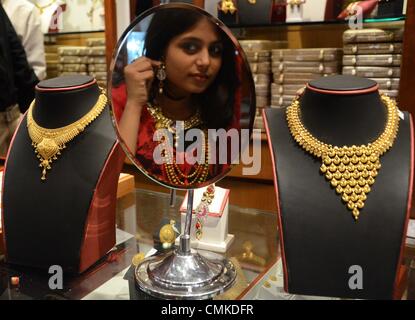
x=163, y=122
x=173, y=172
x=200, y=168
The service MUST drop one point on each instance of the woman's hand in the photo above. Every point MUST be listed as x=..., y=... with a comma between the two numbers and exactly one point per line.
x=139, y=76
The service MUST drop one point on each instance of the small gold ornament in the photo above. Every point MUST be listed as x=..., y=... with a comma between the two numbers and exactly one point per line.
x=137, y=259
x=295, y=2
x=228, y=6
x=351, y=170
x=167, y=233
x=48, y=143
x=161, y=76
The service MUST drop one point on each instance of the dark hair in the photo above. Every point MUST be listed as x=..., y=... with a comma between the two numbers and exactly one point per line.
x=217, y=102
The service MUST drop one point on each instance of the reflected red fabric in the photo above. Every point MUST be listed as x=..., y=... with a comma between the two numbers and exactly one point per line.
x=367, y=7
x=146, y=145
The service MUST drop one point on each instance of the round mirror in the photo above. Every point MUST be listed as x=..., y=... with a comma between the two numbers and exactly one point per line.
x=182, y=96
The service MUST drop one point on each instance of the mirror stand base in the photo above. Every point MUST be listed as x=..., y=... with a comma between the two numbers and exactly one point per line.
x=193, y=276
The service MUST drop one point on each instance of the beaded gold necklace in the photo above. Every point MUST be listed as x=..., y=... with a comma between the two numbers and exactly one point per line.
x=48, y=143
x=350, y=169
x=173, y=172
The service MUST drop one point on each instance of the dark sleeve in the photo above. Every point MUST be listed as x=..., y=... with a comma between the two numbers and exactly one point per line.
x=24, y=77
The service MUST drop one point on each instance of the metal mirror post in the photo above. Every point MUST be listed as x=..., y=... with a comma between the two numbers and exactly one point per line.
x=178, y=72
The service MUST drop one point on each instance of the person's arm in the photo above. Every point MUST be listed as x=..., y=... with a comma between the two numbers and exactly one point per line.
x=33, y=43
x=130, y=124
x=138, y=78
x=24, y=76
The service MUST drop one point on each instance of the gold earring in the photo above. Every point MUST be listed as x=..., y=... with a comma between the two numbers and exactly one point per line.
x=161, y=76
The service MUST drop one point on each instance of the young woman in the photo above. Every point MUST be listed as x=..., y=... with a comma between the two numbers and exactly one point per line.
x=189, y=72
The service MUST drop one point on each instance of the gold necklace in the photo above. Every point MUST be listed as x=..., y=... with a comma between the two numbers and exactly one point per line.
x=48, y=143
x=162, y=122
x=200, y=171
x=42, y=8
x=173, y=172
x=351, y=170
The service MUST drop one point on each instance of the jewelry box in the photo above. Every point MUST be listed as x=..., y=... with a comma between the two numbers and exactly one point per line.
x=372, y=60
x=372, y=48
x=372, y=72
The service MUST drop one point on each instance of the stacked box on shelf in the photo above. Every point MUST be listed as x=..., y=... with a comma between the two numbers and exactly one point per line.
x=72, y=60
x=375, y=54
x=258, y=53
x=293, y=68
x=97, y=64
x=51, y=57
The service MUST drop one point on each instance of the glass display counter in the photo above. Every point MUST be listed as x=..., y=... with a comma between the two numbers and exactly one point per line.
x=140, y=215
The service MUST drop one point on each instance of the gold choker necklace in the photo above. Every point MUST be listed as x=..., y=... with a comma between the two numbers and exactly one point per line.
x=48, y=143
x=162, y=122
x=351, y=170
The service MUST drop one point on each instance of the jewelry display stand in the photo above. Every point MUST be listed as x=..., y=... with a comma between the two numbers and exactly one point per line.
x=184, y=273
x=322, y=245
x=215, y=235
x=67, y=219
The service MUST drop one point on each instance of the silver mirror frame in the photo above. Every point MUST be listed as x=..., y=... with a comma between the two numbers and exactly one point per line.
x=247, y=71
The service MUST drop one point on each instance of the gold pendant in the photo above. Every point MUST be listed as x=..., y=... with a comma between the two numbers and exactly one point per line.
x=351, y=171
x=252, y=1
x=137, y=259
x=46, y=150
x=228, y=6
x=167, y=233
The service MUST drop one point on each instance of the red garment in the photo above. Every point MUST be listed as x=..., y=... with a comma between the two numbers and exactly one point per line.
x=146, y=145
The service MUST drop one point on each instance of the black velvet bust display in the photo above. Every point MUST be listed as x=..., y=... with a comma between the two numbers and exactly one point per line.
x=320, y=239
x=45, y=221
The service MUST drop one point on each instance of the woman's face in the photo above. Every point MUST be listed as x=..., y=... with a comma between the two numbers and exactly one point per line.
x=193, y=59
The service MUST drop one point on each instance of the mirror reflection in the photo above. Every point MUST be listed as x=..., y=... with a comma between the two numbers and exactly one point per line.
x=181, y=93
